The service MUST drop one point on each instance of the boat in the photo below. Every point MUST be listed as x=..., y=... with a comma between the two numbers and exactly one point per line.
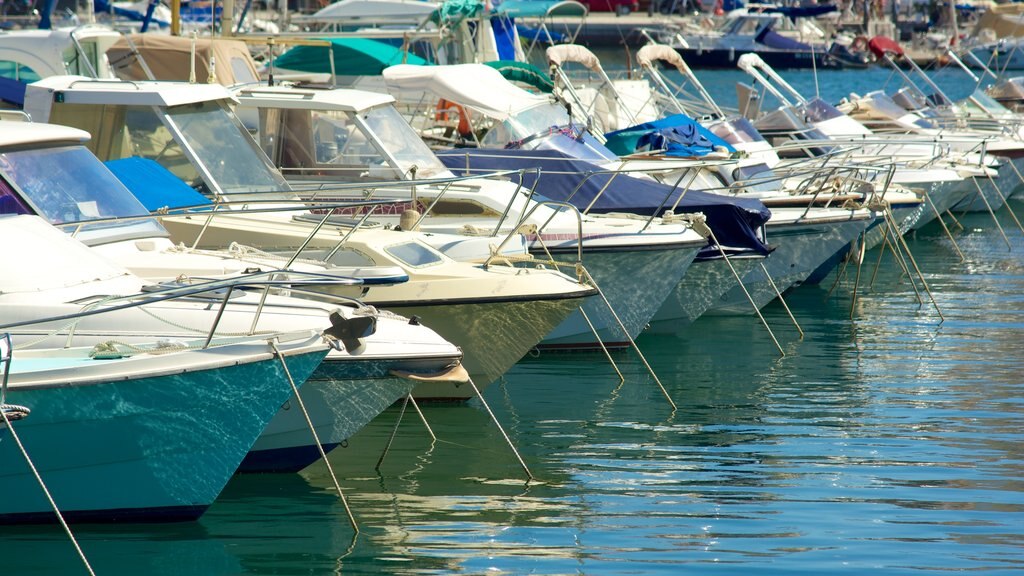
x=347, y=390
x=323, y=138
x=479, y=308
x=150, y=432
x=756, y=30
x=29, y=55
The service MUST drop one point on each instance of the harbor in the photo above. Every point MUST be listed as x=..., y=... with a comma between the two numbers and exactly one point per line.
x=384, y=287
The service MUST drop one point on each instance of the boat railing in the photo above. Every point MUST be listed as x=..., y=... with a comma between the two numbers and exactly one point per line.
x=222, y=289
x=523, y=227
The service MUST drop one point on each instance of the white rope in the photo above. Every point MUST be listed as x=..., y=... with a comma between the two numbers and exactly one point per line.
x=35, y=472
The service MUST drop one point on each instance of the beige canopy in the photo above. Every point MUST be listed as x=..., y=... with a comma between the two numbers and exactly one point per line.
x=1004, y=21
x=168, y=59
x=650, y=53
x=562, y=53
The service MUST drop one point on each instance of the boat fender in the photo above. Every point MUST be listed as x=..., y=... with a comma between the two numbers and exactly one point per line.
x=444, y=112
x=408, y=219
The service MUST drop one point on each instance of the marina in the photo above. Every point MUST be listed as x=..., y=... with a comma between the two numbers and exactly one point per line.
x=502, y=296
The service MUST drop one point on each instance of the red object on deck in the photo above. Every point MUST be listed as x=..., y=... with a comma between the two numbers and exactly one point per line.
x=880, y=46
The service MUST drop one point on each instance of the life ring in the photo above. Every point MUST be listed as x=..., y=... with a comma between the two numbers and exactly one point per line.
x=446, y=109
x=859, y=44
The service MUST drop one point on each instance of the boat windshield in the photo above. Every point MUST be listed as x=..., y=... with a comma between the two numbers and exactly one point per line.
x=987, y=103
x=817, y=110
x=888, y=108
x=222, y=147
x=525, y=123
x=396, y=140
x=69, y=184
x=736, y=131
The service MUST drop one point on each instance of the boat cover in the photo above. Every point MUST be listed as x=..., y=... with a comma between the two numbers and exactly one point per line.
x=794, y=12
x=540, y=8
x=477, y=86
x=352, y=57
x=153, y=185
x=677, y=135
x=523, y=72
x=772, y=39
x=565, y=179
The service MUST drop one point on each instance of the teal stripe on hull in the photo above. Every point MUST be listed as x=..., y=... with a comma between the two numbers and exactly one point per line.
x=144, y=448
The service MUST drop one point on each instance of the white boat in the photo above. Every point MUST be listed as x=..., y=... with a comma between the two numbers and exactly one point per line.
x=320, y=138
x=478, y=308
x=154, y=430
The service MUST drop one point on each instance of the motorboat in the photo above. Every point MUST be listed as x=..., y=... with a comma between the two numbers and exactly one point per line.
x=321, y=139
x=45, y=167
x=146, y=432
x=190, y=130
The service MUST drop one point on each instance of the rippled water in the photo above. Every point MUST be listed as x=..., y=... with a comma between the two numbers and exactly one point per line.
x=889, y=443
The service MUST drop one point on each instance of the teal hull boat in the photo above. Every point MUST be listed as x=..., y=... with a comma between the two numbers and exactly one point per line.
x=149, y=437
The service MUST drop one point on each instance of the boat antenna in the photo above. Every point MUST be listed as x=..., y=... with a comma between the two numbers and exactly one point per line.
x=192, y=61
x=814, y=71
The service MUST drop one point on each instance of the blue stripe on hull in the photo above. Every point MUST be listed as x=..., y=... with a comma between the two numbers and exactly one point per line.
x=282, y=459
x=126, y=515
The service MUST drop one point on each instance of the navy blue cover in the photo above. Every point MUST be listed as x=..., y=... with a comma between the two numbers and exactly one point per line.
x=154, y=185
x=773, y=39
x=734, y=220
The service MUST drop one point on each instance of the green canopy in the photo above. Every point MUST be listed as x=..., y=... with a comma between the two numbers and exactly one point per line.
x=522, y=72
x=352, y=57
x=540, y=8
x=452, y=11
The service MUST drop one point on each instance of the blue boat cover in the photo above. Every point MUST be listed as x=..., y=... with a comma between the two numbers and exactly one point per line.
x=677, y=135
x=773, y=39
x=154, y=186
x=735, y=221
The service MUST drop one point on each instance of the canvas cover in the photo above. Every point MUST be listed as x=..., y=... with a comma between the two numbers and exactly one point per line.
x=477, y=86
x=563, y=178
x=352, y=57
x=562, y=53
x=677, y=135
x=168, y=58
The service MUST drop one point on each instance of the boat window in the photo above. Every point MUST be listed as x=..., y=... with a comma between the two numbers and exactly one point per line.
x=736, y=131
x=817, y=110
x=414, y=254
x=583, y=146
x=69, y=184
x=16, y=71
x=225, y=149
x=987, y=103
x=399, y=141
x=81, y=63
x=243, y=73
x=524, y=123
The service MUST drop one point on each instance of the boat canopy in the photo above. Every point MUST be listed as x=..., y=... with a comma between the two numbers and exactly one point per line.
x=477, y=86
x=352, y=57
x=168, y=58
x=772, y=39
x=523, y=72
x=363, y=11
x=589, y=186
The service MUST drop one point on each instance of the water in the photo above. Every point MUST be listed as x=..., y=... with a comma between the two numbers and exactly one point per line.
x=890, y=443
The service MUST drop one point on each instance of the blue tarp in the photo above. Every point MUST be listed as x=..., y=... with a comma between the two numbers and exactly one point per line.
x=773, y=39
x=677, y=135
x=734, y=220
x=154, y=185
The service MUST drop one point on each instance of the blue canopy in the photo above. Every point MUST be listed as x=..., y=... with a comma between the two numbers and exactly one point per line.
x=735, y=221
x=773, y=39
x=677, y=135
x=154, y=186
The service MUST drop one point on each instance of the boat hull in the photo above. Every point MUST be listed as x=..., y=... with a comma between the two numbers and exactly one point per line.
x=989, y=197
x=493, y=334
x=635, y=282
x=801, y=249
x=141, y=450
x=341, y=398
x=703, y=285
